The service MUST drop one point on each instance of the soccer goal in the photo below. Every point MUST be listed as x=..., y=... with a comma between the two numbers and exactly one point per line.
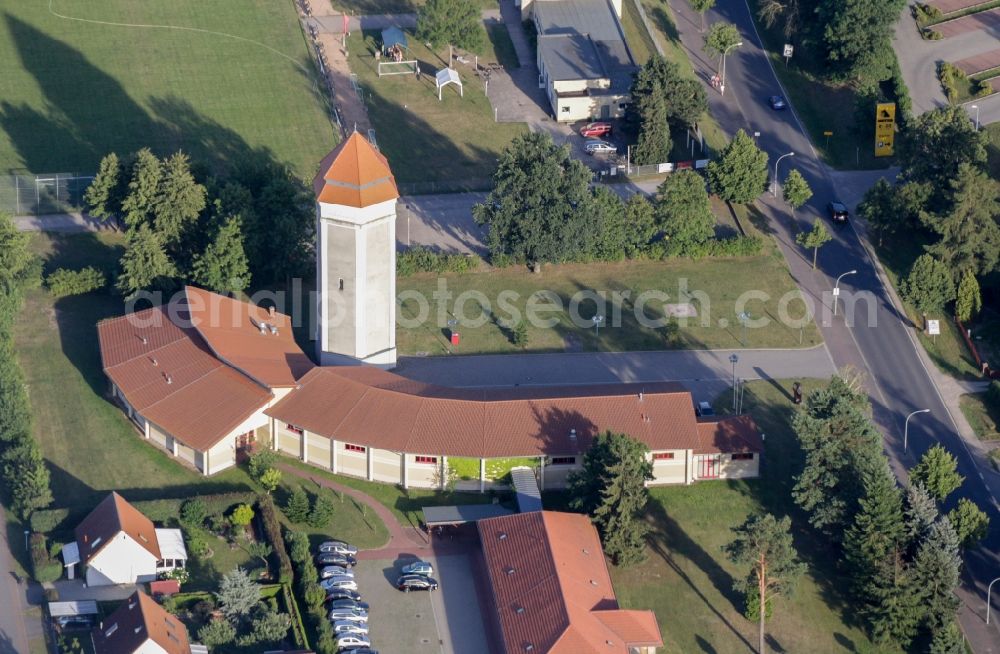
x=397, y=67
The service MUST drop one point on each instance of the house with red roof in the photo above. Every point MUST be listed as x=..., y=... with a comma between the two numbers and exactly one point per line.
x=140, y=626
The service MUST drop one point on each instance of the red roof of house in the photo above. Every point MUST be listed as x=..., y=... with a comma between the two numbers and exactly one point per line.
x=240, y=334
x=370, y=406
x=552, y=589
x=729, y=436
x=355, y=174
x=111, y=516
x=137, y=620
x=170, y=376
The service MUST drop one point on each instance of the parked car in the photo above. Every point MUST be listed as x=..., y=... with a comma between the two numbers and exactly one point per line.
x=407, y=583
x=359, y=650
x=418, y=568
x=348, y=641
x=838, y=212
x=69, y=622
x=335, y=558
x=340, y=583
x=599, y=147
x=704, y=409
x=777, y=102
x=351, y=615
x=335, y=571
x=595, y=129
x=334, y=594
x=349, y=627
x=347, y=603
x=338, y=547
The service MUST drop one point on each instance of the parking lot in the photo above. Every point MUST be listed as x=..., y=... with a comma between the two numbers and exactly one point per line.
x=446, y=621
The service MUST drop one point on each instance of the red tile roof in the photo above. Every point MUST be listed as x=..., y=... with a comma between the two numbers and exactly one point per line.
x=111, y=516
x=355, y=174
x=552, y=589
x=137, y=620
x=239, y=333
x=728, y=436
x=369, y=406
x=170, y=376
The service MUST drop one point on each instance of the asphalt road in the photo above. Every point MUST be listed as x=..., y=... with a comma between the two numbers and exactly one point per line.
x=878, y=340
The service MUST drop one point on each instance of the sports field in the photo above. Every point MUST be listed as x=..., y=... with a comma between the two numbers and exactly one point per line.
x=74, y=89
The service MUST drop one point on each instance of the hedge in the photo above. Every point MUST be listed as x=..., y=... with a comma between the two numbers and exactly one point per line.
x=299, y=638
x=420, y=259
x=43, y=567
x=63, y=282
x=325, y=642
x=272, y=529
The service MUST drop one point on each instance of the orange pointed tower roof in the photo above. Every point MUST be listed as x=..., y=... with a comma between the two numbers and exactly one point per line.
x=355, y=174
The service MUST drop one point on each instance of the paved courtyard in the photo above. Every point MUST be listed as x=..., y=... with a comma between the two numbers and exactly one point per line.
x=447, y=621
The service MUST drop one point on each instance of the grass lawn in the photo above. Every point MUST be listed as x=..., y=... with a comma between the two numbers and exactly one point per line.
x=723, y=280
x=495, y=468
x=983, y=417
x=686, y=573
x=454, y=140
x=75, y=90
x=363, y=7
x=207, y=572
x=90, y=445
x=352, y=521
x=639, y=40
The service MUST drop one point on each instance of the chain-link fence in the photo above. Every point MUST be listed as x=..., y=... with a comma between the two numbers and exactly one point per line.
x=42, y=194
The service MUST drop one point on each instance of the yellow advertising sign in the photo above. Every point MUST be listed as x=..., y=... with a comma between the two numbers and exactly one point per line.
x=885, y=128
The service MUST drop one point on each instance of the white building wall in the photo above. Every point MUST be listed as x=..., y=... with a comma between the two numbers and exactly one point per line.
x=743, y=469
x=668, y=471
x=150, y=647
x=121, y=561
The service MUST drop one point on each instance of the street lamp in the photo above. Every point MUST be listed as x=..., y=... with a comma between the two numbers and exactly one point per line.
x=906, y=426
x=836, y=289
x=733, y=359
x=774, y=184
x=597, y=325
x=976, y=107
x=989, y=589
x=722, y=83
x=744, y=319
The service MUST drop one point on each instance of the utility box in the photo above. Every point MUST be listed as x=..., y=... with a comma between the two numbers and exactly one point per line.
x=456, y=338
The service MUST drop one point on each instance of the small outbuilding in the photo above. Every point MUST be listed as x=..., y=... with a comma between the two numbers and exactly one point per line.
x=448, y=76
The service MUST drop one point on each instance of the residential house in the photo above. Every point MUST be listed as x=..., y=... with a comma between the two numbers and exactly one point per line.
x=552, y=592
x=140, y=626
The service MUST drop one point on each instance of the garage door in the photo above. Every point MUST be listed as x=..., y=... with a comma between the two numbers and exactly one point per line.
x=289, y=444
x=185, y=453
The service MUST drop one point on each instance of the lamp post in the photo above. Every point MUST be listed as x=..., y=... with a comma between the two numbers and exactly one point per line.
x=744, y=319
x=989, y=589
x=836, y=288
x=906, y=426
x=722, y=83
x=774, y=184
x=733, y=359
x=597, y=326
x=976, y=107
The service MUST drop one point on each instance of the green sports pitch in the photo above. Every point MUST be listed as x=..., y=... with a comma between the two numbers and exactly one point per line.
x=218, y=79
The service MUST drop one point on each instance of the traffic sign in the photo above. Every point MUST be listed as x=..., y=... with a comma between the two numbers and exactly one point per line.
x=788, y=51
x=933, y=327
x=827, y=133
x=885, y=128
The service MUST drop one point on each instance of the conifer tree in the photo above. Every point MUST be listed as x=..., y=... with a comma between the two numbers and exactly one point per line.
x=145, y=263
x=178, y=202
x=948, y=640
x=297, y=507
x=936, y=571
x=143, y=186
x=103, y=196
x=970, y=522
x=937, y=472
x=739, y=174
x=223, y=266
x=684, y=212
x=795, y=190
x=654, y=142
x=920, y=512
x=969, y=302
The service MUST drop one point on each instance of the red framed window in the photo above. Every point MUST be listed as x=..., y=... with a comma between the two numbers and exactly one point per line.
x=709, y=467
x=426, y=459
x=295, y=430
x=663, y=456
x=743, y=456
x=355, y=448
x=563, y=460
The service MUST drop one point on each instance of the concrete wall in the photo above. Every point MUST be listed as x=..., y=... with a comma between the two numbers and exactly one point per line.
x=739, y=469
x=351, y=463
x=221, y=456
x=669, y=471
x=157, y=435
x=588, y=107
x=386, y=466
x=287, y=441
x=317, y=450
x=338, y=245
x=185, y=453
x=555, y=475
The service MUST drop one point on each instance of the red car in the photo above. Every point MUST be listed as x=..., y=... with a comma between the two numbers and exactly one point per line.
x=595, y=130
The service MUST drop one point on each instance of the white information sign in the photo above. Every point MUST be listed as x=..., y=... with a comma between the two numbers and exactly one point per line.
x=933, y=327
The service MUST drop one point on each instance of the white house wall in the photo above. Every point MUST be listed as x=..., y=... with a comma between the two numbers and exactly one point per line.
x=669, y=471
x=150, y=647
x=121, y=561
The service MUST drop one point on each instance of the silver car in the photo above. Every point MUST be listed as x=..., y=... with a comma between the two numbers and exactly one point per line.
x=335, y=571
x=599, y=147
x=418, y=568
x=339, y=582
x=348, y=615
x=350, y=627
x=352, y=640
x=338, y=546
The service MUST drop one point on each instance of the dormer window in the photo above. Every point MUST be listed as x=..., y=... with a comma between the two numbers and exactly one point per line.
x=110, y=630
x=97, y=541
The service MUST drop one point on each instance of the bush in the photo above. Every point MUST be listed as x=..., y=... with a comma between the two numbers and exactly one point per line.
x=194, y=512
x=63, y=282
x=46, y=521
x=904, y=105
x=261, y=461
x=983, y=89
x=297, y=505
x=298, y=629
x=272, y=529
x=420, y=259
x=322, y=512
x=931, y=35
x=44, y=568
x=951, y=78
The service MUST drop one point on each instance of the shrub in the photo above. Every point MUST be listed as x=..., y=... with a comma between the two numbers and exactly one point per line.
x=194, y=512
x=298, y=547
x=44, y=568
x=242, y=515
x=260, y=461
x=218, y=632
x=298, y=629
x=322, y=512
x=931, y=34
x=63, y=282
x=272, y=529
x=983, y=89
x=45, y=521
x=951, y=78
x=297, y=506
x=421, y=259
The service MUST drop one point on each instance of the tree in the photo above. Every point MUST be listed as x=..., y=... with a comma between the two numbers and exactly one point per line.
x=921, y=512
x=142, y=188
x=145, y=263
x=685, y=98
x=260, y=550
x=969, y=231
x=815, y=238
x=948, y=640
x=451, y=22
x=609, y=244
x=969, y=302
x=936, y=571
x=880, y=207
x=969, y=521
x=217, y=633
x=640, y=224
x=611, y=488
x=260, y=462
x=238, y=595
x=269, y=627
x=539, y=208
x=193, y=513
x=103, y=196
x=702, y=6
x=270, y=479
x=15, y=257
x=223, y=266
x=242, y=515
x=297, y=506
x=684, y=212
x=858, y=35
x=178, y=202
x=937, y=143
x=795, y=190
x=321, y=513
x=787, y=11
x=654, y=131
x=763, y=549
x=27, y=478
x=936, y=471
x=721, y=37
x=739, y=174
x=928, y=286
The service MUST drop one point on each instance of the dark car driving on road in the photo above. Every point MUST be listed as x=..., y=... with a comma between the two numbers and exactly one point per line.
x=838, y=212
